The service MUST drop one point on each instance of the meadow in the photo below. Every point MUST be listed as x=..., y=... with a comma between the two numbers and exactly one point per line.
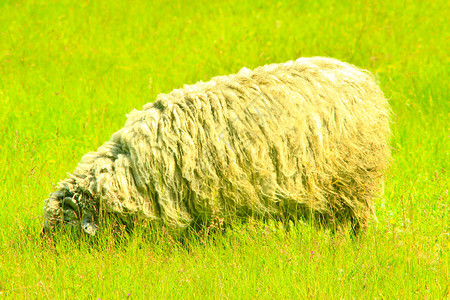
x=70, y=71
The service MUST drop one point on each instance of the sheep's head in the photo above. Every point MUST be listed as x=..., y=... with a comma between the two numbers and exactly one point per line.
x=63, y=211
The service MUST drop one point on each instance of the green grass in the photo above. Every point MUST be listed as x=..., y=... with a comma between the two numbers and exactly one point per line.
x=71, y=70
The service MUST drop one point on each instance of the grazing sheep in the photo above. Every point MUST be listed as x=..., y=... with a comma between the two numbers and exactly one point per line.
x=306, y=139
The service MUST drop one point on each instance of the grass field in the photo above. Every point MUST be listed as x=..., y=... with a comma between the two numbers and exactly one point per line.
x=71, y=70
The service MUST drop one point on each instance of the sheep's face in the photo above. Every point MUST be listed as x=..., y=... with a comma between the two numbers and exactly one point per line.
x=63, y=212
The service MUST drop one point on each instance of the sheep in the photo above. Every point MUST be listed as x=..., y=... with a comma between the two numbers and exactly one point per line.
x=302, y=140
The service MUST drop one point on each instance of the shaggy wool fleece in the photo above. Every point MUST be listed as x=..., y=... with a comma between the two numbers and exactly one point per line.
x=305, y=139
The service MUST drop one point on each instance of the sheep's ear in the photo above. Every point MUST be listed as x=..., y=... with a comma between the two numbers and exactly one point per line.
x=88, y=224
